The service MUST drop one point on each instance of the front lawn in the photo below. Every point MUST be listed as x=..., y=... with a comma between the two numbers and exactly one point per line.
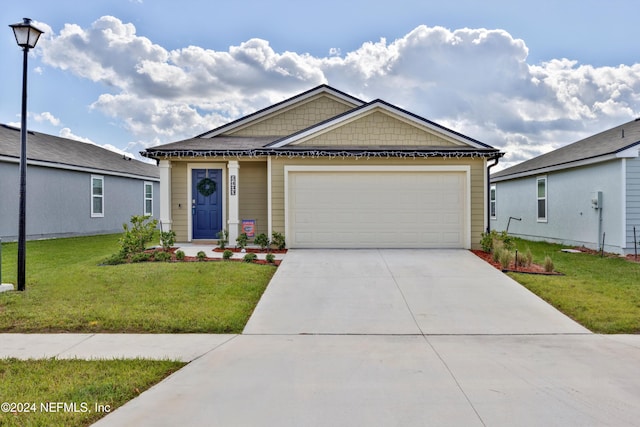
x=602, y=294
x=72, y=392
x=67, y=291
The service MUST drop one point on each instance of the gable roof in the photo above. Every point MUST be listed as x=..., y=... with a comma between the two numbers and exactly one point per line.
x=455, y=137
x=52, y=151
x=322, y=89
x=603, y=146
x=218, y=142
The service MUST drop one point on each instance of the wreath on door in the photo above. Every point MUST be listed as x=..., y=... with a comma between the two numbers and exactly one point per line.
x=206, y=187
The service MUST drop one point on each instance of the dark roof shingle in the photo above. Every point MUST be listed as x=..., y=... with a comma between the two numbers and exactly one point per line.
x=67, y=152
x=604, y=143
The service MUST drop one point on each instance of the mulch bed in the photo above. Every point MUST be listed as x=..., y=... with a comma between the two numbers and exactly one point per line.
x=195, y=259
x=633, y=258
x=531, y=269
x=252, y=250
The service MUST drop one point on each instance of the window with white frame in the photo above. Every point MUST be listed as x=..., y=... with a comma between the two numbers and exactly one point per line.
x=97, y=196
x=541, y=188
x=148, y=198
x=492, y=202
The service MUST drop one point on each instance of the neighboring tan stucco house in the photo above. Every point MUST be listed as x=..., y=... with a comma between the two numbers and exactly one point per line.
x=328, y=171
x=73, y=188
x=581, y=194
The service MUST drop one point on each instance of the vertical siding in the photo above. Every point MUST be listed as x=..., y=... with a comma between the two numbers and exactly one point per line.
x=253, y=194
x=632, y=202
x=477, y=184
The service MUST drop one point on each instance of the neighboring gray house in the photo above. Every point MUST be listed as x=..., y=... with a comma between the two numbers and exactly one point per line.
x=580, y=194
x=73, y=188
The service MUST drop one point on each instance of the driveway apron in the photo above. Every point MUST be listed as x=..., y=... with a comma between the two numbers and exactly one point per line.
x=399, y=338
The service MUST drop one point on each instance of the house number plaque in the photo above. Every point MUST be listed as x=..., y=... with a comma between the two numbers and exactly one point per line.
x=232, y=185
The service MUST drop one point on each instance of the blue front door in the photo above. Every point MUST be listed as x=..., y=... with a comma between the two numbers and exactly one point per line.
x=206, y=203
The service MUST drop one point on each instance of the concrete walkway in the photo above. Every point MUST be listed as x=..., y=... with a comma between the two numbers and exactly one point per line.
x=182, y=347
x=379, y=338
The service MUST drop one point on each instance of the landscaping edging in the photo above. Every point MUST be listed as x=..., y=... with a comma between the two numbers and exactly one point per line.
x=541, y=273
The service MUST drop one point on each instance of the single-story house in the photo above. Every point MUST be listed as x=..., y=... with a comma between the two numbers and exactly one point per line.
x=73, y=188
x=328, y=170
x=581, y=194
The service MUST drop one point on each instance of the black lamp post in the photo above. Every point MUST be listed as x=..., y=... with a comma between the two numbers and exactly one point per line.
x=26, y=36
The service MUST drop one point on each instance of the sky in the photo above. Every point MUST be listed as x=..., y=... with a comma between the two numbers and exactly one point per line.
x=525, y=77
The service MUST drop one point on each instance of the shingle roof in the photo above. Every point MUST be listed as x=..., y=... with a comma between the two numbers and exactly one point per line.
x=64, y=152
x=603, y=144
x=215, y=143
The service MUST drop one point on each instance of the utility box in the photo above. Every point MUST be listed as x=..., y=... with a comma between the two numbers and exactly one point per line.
x=596, y=200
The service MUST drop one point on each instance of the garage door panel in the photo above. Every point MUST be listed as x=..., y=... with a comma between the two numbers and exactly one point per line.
x=450, y=238
x=376, y=209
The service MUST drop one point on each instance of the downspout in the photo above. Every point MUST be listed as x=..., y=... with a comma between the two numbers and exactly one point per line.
x=496, y=159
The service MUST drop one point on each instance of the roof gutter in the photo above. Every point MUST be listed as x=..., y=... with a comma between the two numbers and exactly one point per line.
x=495, y=159
x=313, y=153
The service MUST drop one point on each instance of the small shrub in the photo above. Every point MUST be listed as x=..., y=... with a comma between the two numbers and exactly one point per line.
x=497, y=249
x=136, y=237
x=250, y=257
x=271, y=258
x=487, y=242
x=277, y=239
x=242, y=241
x=115, y=259
x=141, y=257
x=227, y=254
x=223, y=238
x=180, y=255
x=508, y=241
x=201, y=256
x=167, y=239
x=548, y=264
x=262, y=240
x=162, y=256
x=528, y=256
x=506, y=258
x=523, y=259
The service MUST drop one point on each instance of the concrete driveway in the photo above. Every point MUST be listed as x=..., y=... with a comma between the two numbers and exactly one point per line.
x=400, y=338
x=400, y=292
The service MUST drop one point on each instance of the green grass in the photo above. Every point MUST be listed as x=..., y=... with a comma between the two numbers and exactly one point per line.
x=91, y=389
x=67, y=291
x=602, y=294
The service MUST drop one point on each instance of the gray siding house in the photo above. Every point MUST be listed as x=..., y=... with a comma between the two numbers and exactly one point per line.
x=73, y=188
x=581, y=194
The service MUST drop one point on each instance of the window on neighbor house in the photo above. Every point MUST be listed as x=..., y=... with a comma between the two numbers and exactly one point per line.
x=542, y=198
x=97, y=196
x=492, y=202
x=148, y=198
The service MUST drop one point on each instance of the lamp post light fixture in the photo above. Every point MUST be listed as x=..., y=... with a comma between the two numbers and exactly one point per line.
x=26, y=36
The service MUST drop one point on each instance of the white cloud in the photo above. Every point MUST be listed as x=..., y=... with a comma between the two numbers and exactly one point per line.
x=476, y=81
x=132, y=150
x=46, y=117
x=66, y=133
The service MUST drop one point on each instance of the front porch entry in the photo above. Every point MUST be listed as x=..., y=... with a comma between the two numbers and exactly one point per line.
x=206, y=203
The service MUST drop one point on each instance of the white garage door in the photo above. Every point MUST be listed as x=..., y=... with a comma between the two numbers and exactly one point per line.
x=377, y=209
